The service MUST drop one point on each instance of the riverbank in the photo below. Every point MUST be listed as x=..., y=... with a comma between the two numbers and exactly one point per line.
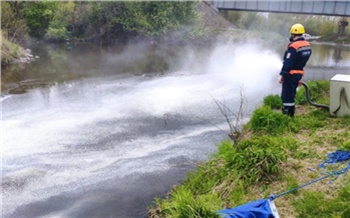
x=273, y=154
x=14, y=53
x=336, y=38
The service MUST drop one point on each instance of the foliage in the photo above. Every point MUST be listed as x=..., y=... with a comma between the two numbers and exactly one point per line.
x=280, y=23
x=157, y=18
x=9, y=51
x=185, y=204
x=257, y=159
x=264, y=119
x=318, y=90
x=62, y=18
x=13, y=26
x=38, y=16
x=320, y=25
x=274, y=101
x=149, y=18
x=106, y=20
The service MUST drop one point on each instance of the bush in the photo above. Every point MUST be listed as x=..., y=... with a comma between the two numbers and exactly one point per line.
x=184, y=204
x=274, y=101
x=300, y=97
x=318, y=90
x=257, y=159
x=56, y=33
x=264, y=119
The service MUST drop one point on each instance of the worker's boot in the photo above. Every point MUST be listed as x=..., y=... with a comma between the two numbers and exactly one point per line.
x=285, y=110
x=291, y=111
x=288, y=110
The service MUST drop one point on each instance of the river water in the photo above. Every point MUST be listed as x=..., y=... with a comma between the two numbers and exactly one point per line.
x=100, y=132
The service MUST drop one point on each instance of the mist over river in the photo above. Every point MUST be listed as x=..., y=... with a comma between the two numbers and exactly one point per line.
x=92, y=131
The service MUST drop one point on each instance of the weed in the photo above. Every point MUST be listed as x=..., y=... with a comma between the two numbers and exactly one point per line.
x=233, y=119
x=274, y=101
x=318, y=91
x=236, y=194
x=15, y=50
x=264, y=119
x=315, y=204
x=185, y=205
x=292, y=183
x=257, y=159
x=314, y=120
x=345, y=145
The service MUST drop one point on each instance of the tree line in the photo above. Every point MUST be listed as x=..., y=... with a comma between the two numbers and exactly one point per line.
x=280, y=23
x=92, y=20
x=120, y=20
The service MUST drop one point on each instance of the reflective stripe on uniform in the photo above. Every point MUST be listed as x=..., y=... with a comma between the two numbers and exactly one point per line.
x=288, y=104
x=305, y=48
x=296, y=72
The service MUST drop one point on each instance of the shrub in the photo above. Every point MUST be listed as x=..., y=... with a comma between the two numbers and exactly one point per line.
x=318, y=90
x=263, y=119
x=274, y=101
x=300, y=96
x=257, y=159
x=184, y=204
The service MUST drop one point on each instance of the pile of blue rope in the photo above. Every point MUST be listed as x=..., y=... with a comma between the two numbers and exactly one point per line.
x=339, y=156
x=264, y=208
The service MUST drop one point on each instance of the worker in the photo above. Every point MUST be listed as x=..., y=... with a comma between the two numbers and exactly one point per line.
x=295, y=58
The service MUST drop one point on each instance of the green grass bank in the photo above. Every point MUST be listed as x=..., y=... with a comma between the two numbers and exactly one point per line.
x=273, y=154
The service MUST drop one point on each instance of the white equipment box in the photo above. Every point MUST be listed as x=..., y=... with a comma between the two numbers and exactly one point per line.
x=340, y=95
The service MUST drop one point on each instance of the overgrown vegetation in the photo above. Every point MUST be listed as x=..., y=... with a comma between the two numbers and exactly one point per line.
x=275, y=153
x=9, y=51
x=119, y=21
x=94, y=20
x=279, y=23
x=100, y=22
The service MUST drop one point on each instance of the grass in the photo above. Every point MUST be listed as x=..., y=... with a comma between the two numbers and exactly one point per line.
x=9, y=51
x=275, y=153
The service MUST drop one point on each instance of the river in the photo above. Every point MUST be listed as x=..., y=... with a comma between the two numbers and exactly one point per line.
x=92, y=131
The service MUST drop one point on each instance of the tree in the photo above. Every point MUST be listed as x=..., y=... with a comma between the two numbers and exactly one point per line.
x=61, y=19
x=38, y=16
x=157, y=18
x=13, y=26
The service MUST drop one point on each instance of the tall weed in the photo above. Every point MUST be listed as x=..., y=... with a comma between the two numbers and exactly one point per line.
x=184, y=204
x=318, y=91
x=264, y=119
x=257, y=159
x=274, y=101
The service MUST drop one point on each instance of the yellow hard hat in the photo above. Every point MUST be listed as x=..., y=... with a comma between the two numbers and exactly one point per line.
x=297, y=29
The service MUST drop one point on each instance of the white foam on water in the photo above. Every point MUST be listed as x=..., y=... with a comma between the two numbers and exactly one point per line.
x=46, y=129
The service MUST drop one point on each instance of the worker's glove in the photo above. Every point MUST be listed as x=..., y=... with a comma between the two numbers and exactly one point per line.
x=281, y=80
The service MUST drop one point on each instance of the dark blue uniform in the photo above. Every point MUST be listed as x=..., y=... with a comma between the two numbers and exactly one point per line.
x=295, y=59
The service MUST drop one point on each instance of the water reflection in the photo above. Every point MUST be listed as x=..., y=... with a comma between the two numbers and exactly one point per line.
x=70, y=61
x=337, y=53
x=330, y=55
